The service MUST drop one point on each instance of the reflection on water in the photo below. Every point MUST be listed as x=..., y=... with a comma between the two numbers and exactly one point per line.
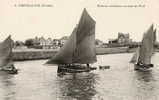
x=120, y=82
x=146, y=86
x=144, y=76
x=6, y=83
x=78, y=86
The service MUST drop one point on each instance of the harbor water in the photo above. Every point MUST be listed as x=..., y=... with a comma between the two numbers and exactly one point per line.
x=37, y=81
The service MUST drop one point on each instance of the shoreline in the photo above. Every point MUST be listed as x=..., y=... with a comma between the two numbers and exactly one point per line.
x=37, y=54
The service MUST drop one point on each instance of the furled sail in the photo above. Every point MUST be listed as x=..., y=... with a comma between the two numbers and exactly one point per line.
x=80, y=48
x=6, y=52
x=146, y=47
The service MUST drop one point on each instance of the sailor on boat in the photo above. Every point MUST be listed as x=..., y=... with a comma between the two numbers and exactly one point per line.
x=79, y=49
x=6, y=63
x=142, y=56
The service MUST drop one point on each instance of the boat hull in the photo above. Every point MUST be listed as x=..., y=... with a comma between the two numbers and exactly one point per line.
x=15, y=71
x=142, y=67
x=104, y=67
x=10, y=70
x=74, y=68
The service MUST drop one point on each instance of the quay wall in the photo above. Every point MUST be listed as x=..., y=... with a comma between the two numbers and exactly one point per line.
x=32, y=54
x=35, y=54
x=101, y=51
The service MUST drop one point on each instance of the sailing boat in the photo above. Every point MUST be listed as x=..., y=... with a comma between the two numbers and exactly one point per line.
x=79, y=49
x=6, y=63
x=142, y=56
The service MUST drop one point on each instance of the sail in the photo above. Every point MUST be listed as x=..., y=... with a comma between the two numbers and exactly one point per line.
x=6, y=52
x=154, y=36
x=85, y=51
x=80, y=47
x=154, y=40
x=146, y=47
x=135, y=57
x=64, y=56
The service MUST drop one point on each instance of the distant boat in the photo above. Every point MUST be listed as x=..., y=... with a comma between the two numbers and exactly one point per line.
x=6, y=63
x=142, y=56
x=79, y=49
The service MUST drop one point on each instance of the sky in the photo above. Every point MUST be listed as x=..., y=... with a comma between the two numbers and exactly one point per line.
x=63, y=15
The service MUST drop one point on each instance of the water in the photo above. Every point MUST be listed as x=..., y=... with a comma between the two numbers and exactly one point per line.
x=36, y=81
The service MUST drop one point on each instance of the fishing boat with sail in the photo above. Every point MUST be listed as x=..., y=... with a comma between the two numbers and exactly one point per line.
x=6, y=63
x=79, y=50
x=142, y=56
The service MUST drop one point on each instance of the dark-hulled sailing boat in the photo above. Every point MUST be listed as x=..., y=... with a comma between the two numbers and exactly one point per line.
x=6, y=63
x=79, y=49
x=142, y=56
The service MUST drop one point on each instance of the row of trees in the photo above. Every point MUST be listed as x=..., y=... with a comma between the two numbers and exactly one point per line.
x=31, y=43
x=28, y=43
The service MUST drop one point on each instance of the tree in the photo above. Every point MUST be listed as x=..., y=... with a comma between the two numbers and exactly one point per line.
x=29, y=42
x=18, y=43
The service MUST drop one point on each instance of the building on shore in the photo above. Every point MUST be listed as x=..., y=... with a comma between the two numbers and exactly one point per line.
x=42, y=43
x=100, y=44
x=19, y=45
x=49, y=43
x=121, y=40
x=63, y=40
